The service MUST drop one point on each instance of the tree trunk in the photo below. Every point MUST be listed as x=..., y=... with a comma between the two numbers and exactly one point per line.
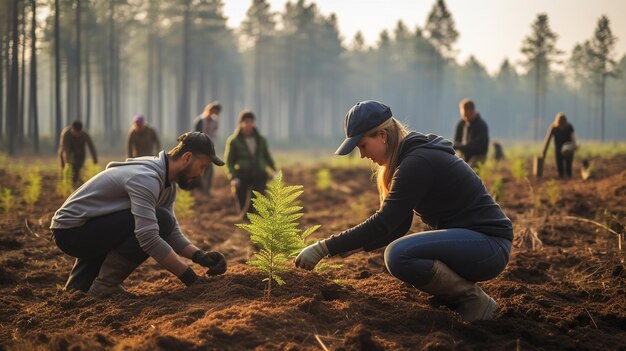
x=57, y=72
x=150, y=74
x=201, y=99
x=77, y=60
x=159, y=86
x=116, y=90
x=183, y=116
x=602, y=105
x=22, y=81
x=88, y=85
x=2, y=55
x=257, y=103
x=111, y=75
x=12, y=87
x=535, y=128
x=33, y=125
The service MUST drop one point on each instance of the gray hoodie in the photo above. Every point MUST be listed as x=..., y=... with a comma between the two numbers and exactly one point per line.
x=139, y=184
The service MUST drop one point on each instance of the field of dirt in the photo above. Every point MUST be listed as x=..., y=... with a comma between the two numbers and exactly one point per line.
x=568, y=295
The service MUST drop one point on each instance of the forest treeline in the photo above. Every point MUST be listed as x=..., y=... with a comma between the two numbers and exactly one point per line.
x=104, y=61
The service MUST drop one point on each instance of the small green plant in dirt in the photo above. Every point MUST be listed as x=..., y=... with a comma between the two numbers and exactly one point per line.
x=518, y=169
x=32, y=190
x=323, y=181
x=91, y=169
x=65, y=185
x=275, y=229
x=486, y=171
x=184, y=204
x=496, y=188
x=7, y=199
x=551, y=194
x=490, y=177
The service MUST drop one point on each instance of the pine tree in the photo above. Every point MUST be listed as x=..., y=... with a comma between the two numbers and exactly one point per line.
x=602, y=64
x=441, y=32
x=540, y=50
x=275, y=229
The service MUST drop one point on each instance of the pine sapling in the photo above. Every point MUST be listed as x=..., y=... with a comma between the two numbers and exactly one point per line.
x=91, y=170
x=323, y=180
x=518, y=169
x=185, y=203
x=65, y=185
x=275, y=229
x=33, y=187
x=7, y=199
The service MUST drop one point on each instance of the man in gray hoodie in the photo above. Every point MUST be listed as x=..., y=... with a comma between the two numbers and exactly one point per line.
x=113, y=222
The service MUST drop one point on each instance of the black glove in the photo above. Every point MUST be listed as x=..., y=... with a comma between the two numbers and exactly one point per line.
x=188, y=277
x=214, y=261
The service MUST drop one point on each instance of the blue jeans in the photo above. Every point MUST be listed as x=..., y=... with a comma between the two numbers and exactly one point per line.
x=472, y=255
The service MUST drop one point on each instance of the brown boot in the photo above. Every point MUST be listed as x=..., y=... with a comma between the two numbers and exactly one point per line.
x=113, y=271
x=471, y=301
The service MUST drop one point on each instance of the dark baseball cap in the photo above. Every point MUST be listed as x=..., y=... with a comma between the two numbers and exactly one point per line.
x=200, y=143
x=361, y=118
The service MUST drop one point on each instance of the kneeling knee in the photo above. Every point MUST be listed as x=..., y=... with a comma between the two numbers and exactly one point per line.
x=395, y=260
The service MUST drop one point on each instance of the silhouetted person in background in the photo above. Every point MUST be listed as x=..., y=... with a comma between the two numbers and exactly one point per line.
x=564, y=144
x=142, y=140
x=72, y=149
x=498, y=152
x=471, y=138
x=208, y=123
x=247, y=159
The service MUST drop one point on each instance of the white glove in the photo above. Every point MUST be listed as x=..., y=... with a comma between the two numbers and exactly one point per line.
x=310, y=256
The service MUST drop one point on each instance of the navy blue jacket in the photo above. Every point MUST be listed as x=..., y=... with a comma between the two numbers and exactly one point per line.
x=435, y=184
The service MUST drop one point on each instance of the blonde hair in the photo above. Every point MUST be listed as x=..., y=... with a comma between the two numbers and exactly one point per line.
x=213, y=106
x=396, y=132
x=560, y=120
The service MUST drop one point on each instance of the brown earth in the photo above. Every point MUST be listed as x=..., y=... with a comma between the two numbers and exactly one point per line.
x=571, y=295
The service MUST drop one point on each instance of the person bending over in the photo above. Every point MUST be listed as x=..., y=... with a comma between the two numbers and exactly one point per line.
x=470, y=236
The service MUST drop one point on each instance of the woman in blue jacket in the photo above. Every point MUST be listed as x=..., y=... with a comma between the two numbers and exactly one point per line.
x=470, y=236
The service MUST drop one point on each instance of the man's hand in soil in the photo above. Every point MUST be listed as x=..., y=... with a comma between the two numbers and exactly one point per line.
x=311, y=255
x=214, y=261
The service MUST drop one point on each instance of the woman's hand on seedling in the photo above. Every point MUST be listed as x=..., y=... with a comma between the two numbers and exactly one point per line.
x=310, y=256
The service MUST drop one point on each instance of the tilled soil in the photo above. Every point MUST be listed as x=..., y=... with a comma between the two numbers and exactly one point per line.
x=568, y=295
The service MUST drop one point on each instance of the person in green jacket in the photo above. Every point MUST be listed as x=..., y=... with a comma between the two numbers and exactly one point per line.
x=248, y=160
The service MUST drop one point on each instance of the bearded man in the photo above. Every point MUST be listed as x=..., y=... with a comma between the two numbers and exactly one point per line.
x=123, y=215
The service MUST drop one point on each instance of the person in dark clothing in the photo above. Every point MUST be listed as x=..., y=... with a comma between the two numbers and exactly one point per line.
x=72, y=149
x=498, y=151
x=248, y=160
x=208, y=123
x=564, y=144
x=142, y=139
x=470, y=237
x=125, y=214
x=471, y=138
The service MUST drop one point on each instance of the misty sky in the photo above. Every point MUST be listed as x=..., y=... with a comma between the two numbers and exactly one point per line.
x=490, y=29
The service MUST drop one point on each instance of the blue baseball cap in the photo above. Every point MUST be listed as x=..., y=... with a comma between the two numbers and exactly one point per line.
x=361, y=118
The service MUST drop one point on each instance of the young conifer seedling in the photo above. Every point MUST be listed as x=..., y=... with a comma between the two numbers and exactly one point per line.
x=275, y=229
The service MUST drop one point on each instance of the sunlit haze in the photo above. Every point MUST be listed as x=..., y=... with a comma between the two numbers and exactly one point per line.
x=491, y=30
